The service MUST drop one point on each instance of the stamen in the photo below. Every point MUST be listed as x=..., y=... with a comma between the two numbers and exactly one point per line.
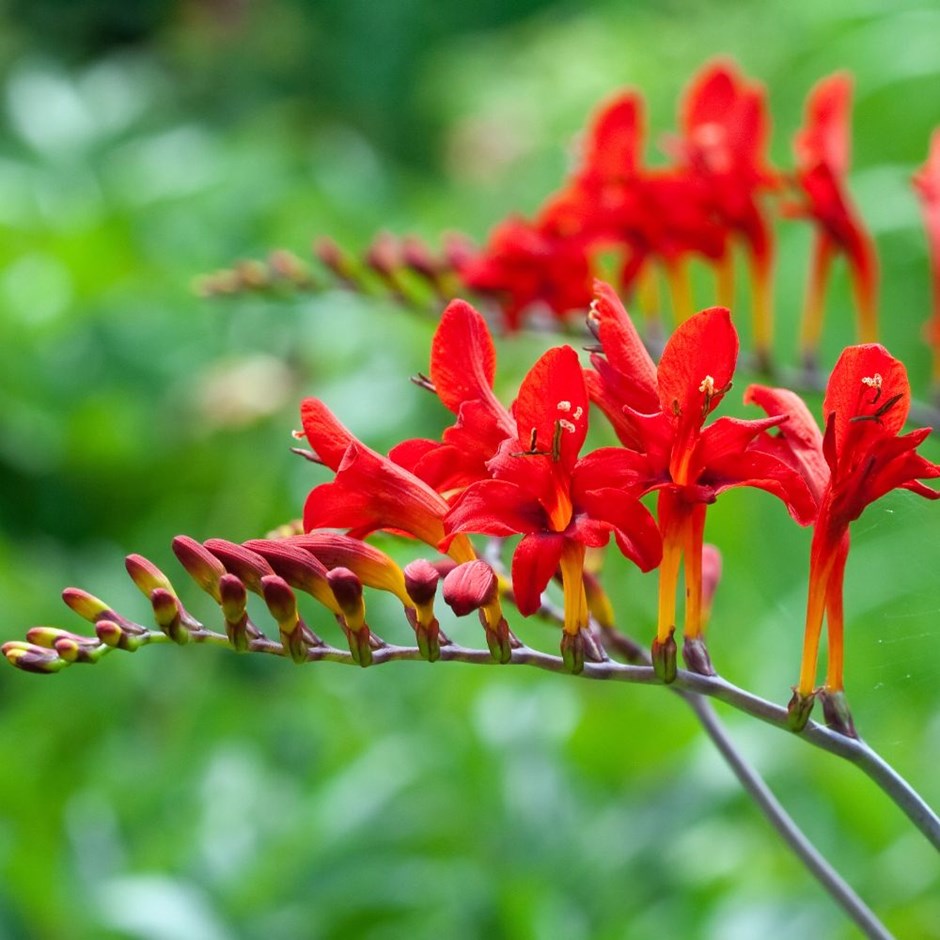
x=707, y=386
x=577, y=413
x=298, y=435
x=564, y=406
x=874, y=382
x=567, y=425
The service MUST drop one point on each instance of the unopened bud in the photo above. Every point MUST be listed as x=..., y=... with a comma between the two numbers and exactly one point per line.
x=383, y=255
x=248, y=565
x=470, y=586
x=252, y=274
x=147, y=576
x=333, y=257
x=32, y=658
x=86, y=605
x=282, y=603
x=234, y=598
x=168, y=615
x=114, y=635
x=416, y=256
x=421, y=578
x=296, y=566
x=82, y=650
x=348, y=590
x=286, y=266
x=200, y=564
x=47, y=637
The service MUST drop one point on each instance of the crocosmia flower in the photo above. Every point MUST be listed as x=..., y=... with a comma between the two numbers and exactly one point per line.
x=463, y=365
x=525, y=265
x=560, y=503
x=369, y=491
x=725, y=125
x=822, y=151
x=865, y=456
x=659, y=414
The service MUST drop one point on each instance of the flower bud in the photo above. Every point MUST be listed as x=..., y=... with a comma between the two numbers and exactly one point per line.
x=348, y=590
x=695, y=655
x=146, y=575
x=32, y=658
x=79, y=649
x=297, y=567
x=86, y=605
x=238, y=560
x=47, y=637
x=711, y=577
x=234, y=598
x=471, y=586
x=168, y=614
x=282, y=603
x=421, y=578
x=114, y=635
x=201, y=565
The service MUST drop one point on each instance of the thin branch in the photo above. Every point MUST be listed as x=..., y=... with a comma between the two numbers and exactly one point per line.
x=899, y=791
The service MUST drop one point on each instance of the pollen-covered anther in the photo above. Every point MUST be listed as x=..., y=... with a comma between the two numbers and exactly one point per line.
x=567, y=425
x=577, y=413
x=564, y=406
x=707, y=386
x=298, y=435
x=872, y=381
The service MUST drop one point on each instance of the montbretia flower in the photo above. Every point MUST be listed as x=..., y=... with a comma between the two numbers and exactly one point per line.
x=927, y=183
x=369, y=491
x=657, y=216
x=864, y=457
x=560, y=503
x=822, y=151
x=725, y=125
x=660, y=420
x=463, y=366
x=525, y=265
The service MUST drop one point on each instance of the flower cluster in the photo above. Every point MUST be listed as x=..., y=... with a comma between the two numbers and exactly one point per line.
x=712, y=197
x=502, y=472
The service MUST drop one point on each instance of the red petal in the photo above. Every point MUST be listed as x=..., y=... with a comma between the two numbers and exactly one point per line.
x=799, y=439
x=463, y=359
x=534, y=563
x=326, y=435
x=706, y=345
x=553, y=402
x=623, y=348
x=370, y=492
x=495, y=507
x=851, y=394
x=614, y=144
x=633, y=525
x=824, y=137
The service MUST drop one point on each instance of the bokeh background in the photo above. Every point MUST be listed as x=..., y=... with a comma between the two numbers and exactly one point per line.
x=196, y=794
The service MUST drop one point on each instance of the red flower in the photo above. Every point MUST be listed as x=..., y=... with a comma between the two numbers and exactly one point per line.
x=725, y=125
x=661, y=416
x=861, y=458
x=822, y=151
x=560, y=503
x=657, y=216
x=463, y=365
x=525, y=264
x=927, y=183
x=369, y=491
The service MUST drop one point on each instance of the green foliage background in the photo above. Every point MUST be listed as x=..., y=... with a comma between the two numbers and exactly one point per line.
x=190, y=793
